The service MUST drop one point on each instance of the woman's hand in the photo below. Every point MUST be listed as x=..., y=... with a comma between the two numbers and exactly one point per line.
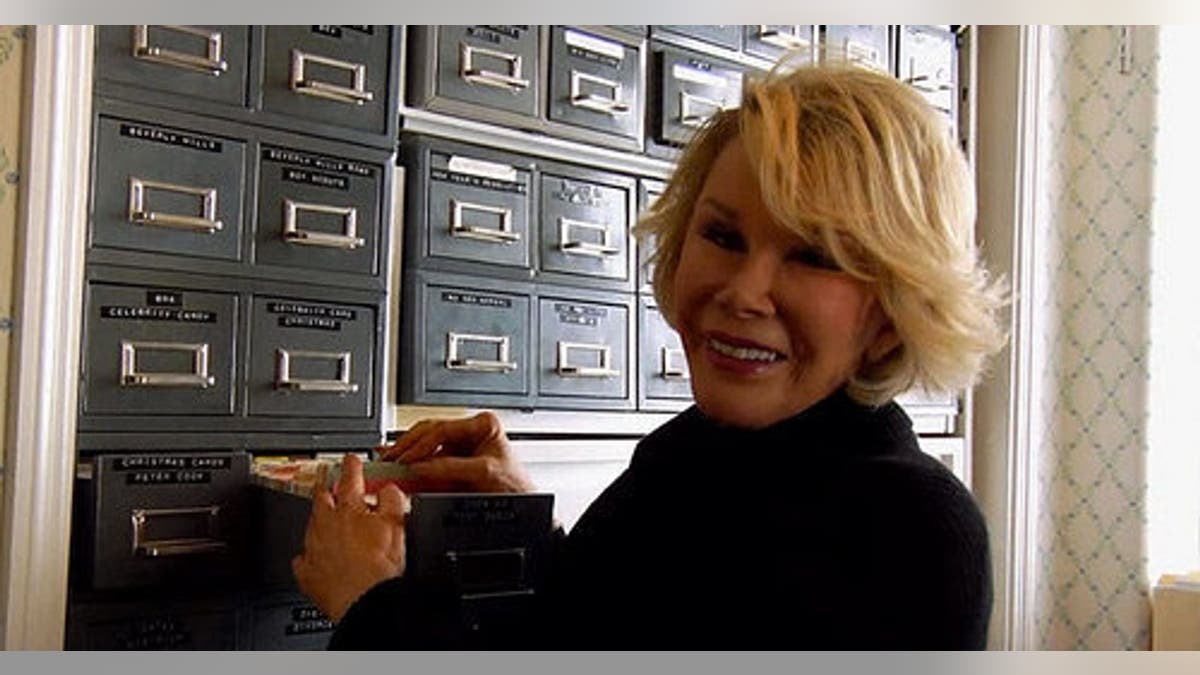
x=470, y=454
x=350, y=546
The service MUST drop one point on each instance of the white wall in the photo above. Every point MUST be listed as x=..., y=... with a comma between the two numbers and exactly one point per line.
x=1173, y=472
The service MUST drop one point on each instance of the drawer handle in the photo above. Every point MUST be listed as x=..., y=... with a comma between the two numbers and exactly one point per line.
x=689, y=116
x=489, y=573
x=591, y=249
x=924, y=82
x=469, y=72
x=674, y=364
x=567, y=369
x=292, y=234
x=782, y=39
x=284, y=379
x=502, y=364
x=356, y=93
x=210, y=63
x=160, y=548
x=139, y=214
x=609, y=106
x=197, y=379
x=503, y=235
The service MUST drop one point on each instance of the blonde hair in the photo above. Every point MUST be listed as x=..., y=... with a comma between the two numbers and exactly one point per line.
x=857, y=163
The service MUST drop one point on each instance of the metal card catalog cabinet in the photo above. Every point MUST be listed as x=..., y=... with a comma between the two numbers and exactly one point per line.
x=772, y=42
x=154, y=351
x=311, y=359
x=931, y=413
x=487, y=68
x=928, y=62
x=467, y=339
x=337, y=75
x=318, y=212
x=468, y=204
x=210, y=63
x=690, y=88
x=729, y=37
x=584, y=357
x=648, y=192
x=596, y=82
x=158, y=188
x=664, y=381
x=866, y=45
x=585, y=218
x=164, y=517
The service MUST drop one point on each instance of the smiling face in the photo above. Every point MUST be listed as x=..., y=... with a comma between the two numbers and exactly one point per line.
x=769, y=323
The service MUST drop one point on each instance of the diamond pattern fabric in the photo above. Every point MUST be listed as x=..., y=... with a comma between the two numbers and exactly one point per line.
x=1093, y=297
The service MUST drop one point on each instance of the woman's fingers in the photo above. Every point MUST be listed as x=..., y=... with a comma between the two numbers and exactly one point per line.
x=300, y=570
x=469, y=436
x=428, y=442
x=351, y=487
x=474, y=471
x=394, y=505
x=322, y=509
x=406, y=440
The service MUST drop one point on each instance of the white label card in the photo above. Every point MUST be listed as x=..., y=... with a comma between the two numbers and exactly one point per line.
x=478, y=167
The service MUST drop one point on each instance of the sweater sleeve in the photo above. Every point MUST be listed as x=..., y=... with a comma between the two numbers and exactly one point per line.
x=396, y=614
x=923, y=577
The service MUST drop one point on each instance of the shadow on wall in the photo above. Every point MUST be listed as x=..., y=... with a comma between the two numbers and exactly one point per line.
x=12, y=60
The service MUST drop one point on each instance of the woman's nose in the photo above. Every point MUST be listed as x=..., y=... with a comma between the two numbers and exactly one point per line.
x=748, y=289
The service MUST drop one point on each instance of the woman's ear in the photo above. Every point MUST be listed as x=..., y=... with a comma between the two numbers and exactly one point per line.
x=886, y=341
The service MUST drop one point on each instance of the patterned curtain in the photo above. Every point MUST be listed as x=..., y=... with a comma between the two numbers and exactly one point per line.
x=1093, y=298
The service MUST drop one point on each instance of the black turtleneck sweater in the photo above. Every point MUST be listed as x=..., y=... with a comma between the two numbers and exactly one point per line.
x=829, y=530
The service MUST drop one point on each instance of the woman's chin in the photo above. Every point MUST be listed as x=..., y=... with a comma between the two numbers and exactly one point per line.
x=741, y=413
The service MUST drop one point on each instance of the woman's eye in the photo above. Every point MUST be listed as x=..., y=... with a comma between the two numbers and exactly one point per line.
x=724, y=236
x=813, y=257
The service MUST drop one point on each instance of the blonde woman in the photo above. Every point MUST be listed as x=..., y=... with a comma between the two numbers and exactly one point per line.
x=815, y=253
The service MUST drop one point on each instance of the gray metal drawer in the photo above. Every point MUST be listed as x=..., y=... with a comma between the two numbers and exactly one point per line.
x=492, y=66
x=477, y=208
x=153, y=519
x=153, y=351
x=318, y=212
x=693, y=88
x=585, y=223
x=648, y=192
x=168, y=190
x=153, y=625
x=867, y=45
x=663, y=376
x=336, y=75
x=728, y=37
x=595, y=82
x=311, y=359
x=476, y=341
x=287, y=622
x=639, y=30
x=928, y=62
x=207, y=62
x=772, y=42
x=583, y=349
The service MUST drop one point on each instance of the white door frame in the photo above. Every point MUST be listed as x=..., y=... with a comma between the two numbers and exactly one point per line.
x=39, y=467
x=1014, y=64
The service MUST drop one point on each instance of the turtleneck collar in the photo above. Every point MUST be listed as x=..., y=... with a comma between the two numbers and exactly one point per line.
x=837, y=423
